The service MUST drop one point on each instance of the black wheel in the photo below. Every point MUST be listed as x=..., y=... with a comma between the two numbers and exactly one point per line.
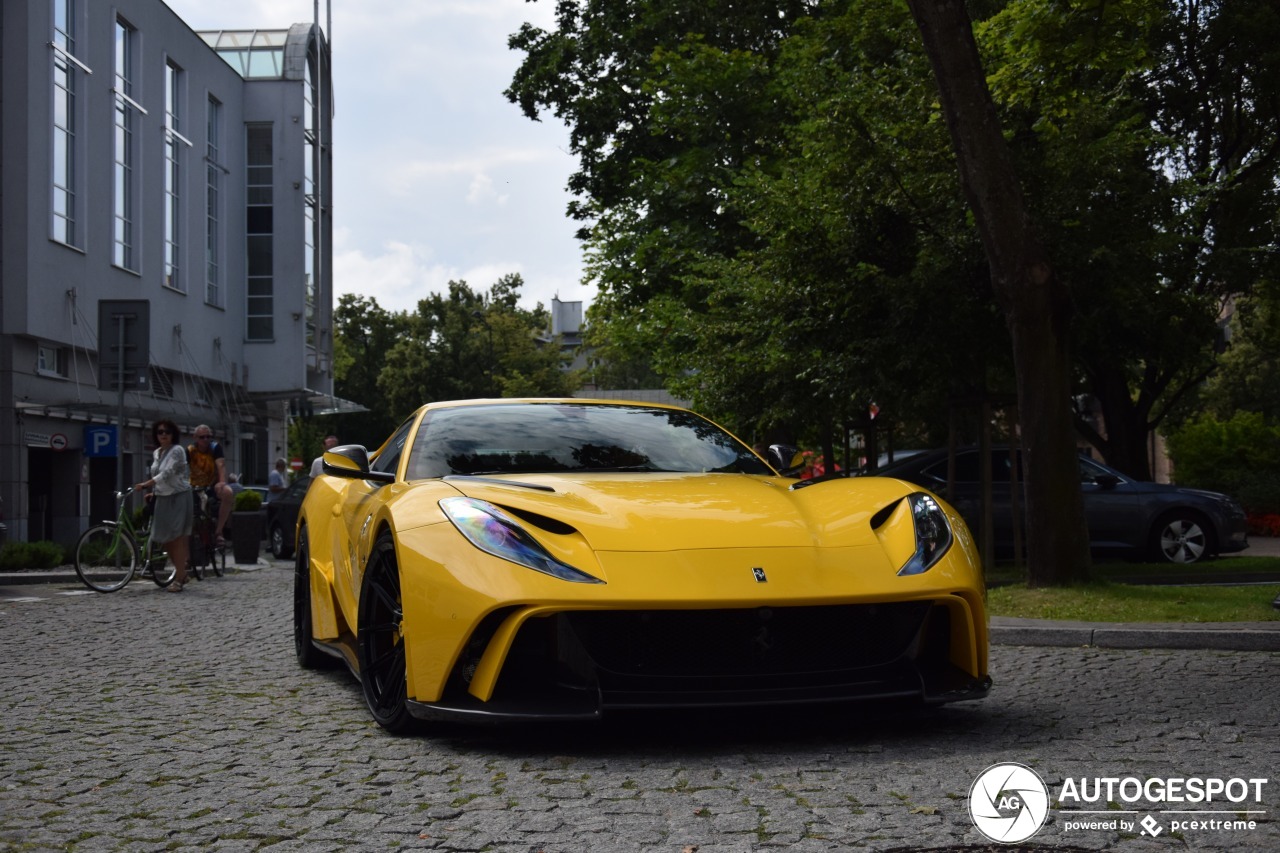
x=1182, y=537
x=309, y=657
x=106, y=557
x=381, y=645
x=281, y=544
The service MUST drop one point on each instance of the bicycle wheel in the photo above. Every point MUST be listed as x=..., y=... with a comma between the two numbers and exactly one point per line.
x=160, y=570
x=218, y=559
x=106, y=557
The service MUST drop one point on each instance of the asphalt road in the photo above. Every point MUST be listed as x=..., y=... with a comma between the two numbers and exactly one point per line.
x=148, y=721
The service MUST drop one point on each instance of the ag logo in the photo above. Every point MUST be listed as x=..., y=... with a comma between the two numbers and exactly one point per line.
x=1008, y=803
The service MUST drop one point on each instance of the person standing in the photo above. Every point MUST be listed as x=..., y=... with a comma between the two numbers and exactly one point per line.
x=317, y=464
x=171, y=523
x=278, y=480
x=209, y=472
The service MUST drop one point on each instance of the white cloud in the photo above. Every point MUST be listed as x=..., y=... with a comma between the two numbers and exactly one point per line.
x=437, y=177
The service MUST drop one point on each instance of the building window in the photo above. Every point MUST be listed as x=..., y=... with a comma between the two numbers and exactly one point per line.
x=126, y=123
x=173, y=142
x=67, y=72
x=311, y=224
x=213, y=204
x=52, y=361
x=259, y=233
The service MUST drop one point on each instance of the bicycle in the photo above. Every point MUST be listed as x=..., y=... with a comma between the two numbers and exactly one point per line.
x=111, y=553
x=205, y=549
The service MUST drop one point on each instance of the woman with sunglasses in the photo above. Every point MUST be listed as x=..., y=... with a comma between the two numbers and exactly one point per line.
x=170, y=478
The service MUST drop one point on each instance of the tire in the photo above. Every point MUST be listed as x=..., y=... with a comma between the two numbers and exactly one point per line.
x=161, y=570
x=309, y=657
x=106, y=557
x=1182, y=538
x=281, y=546
x=380, y=650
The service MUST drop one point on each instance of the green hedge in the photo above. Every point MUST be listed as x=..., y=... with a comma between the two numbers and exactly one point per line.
x=1240, y=456
x=31, y=555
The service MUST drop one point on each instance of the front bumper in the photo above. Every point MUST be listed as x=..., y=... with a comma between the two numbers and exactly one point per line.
x=580, y=665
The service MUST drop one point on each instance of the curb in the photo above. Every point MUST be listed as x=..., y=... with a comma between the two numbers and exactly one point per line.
x=66, y=575
x=1220, y=636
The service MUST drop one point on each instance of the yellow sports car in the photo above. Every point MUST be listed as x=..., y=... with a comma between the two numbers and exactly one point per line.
x=558, y=559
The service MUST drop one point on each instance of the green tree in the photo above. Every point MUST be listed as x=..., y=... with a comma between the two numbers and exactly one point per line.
x=1247, y=378
x=1238, y=455
x=1151, y=161
x=364, y=332
x=465, y=344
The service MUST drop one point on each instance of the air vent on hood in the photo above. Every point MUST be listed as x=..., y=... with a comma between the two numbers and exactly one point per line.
x=542, y=522
x=878, y=520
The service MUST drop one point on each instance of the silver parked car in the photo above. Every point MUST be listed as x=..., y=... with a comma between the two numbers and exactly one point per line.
x=1126, y=517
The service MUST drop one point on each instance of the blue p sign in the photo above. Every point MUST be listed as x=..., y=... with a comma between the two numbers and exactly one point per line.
x=100, y=441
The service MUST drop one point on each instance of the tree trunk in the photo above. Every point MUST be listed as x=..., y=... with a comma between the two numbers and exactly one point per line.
x=1125, y=421
x=1035, y=304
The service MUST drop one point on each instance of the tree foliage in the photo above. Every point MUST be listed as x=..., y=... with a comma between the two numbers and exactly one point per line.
x=457, y=345
x=772, y=214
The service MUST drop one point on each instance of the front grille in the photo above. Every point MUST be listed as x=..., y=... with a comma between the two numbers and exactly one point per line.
x=762, y=641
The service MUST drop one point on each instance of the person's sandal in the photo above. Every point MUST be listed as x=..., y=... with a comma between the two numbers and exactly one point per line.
x=175, y=586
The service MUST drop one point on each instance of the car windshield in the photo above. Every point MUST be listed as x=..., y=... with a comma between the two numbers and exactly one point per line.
x=519, y=438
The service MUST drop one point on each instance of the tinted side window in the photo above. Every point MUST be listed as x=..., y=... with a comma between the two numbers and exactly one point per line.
x=389, y=459
x=968, y=472
x=966, y=468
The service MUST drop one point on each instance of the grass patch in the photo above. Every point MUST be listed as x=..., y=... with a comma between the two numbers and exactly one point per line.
x=1112, y=571
x=1105, y=601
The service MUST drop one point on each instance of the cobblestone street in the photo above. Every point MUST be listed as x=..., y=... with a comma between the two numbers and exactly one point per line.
x=147, y=721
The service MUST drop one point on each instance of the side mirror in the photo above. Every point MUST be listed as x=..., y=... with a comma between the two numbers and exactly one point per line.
x=1106, y=481
x=786, y=459
x=351, y=461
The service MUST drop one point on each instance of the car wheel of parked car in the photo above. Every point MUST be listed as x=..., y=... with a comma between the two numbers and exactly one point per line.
x=381, y=645
x=1181, y=537
x=281, y=546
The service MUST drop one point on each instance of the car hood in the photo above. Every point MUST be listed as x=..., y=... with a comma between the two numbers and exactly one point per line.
x=1144, y=487
x=669, y=512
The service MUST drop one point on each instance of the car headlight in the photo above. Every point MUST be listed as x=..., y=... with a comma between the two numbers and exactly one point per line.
x=495, y=532
x=933, y=534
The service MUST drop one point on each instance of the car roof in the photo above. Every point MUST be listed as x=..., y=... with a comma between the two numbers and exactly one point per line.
x=506, y=401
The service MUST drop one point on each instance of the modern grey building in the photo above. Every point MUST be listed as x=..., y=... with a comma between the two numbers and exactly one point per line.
x=168, y=191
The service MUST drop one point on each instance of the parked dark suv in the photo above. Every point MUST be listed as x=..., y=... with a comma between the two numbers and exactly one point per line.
x=1126, y=517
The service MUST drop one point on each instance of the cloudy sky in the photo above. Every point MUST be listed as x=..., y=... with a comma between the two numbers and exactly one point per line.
x=437, y=176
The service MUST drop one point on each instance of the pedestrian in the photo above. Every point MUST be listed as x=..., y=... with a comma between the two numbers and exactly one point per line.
x=278, y=480
x=209, y=472
x=317, y=464
x=172, y=498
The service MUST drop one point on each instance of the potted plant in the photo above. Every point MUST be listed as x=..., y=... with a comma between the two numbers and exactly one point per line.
x=248, y=526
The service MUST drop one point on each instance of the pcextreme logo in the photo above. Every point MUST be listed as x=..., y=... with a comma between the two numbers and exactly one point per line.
x=1009, y=803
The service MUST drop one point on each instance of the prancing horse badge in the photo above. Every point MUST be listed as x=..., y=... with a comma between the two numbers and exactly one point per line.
x=759, y=573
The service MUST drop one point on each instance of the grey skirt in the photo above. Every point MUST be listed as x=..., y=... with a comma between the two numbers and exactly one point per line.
x=172, y=517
